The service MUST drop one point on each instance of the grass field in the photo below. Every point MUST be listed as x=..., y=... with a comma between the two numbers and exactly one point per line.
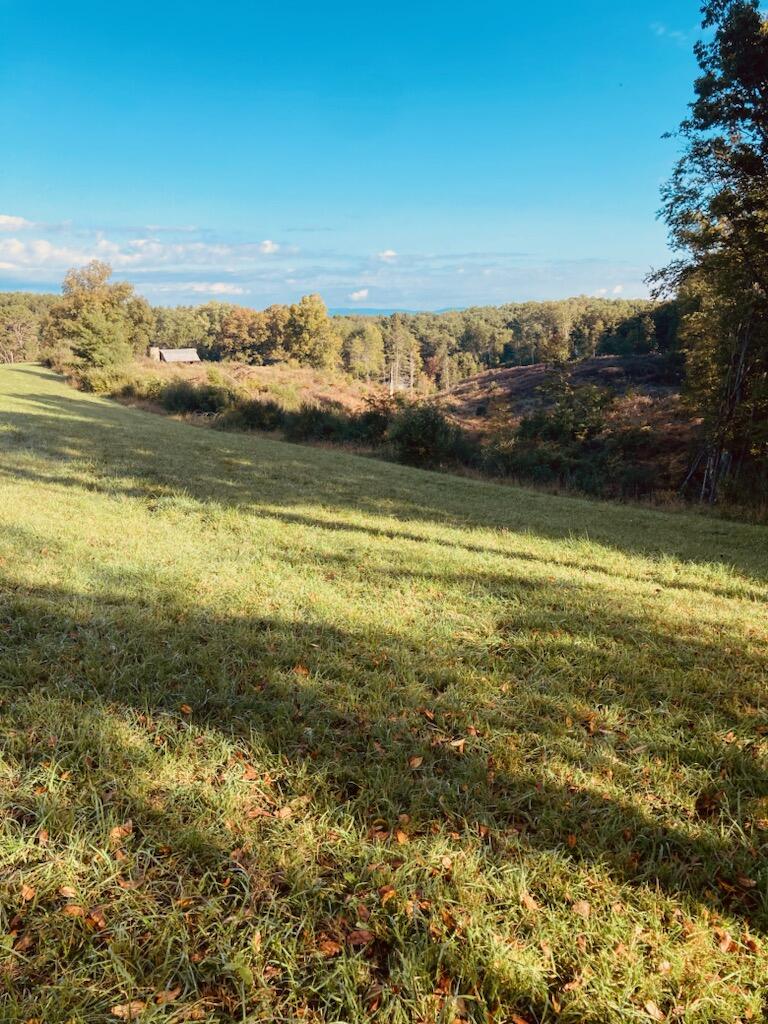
x=290, y=735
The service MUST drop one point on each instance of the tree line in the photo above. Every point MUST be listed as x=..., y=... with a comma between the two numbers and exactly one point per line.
x=97, y=322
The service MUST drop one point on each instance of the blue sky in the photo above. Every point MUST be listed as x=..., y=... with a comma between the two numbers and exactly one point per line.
x=416, y=155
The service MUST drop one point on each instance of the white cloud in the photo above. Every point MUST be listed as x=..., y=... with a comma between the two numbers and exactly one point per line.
x=361, y=293
x=268, y=247
x=665, y=32
x=618, y=289
x=387, y=256
x=9, y=223
x=198, y=288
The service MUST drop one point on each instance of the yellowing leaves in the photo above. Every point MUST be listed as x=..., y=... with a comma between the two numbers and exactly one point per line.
x=415, y=761
x=27, y=893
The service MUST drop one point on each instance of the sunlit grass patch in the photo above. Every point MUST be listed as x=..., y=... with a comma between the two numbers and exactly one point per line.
x=291, y=735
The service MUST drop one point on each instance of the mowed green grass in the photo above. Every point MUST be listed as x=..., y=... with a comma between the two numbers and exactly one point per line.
x=291, y=735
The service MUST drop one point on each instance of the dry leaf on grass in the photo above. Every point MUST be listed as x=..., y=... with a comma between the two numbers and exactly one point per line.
x=27, y=893
x=120, y=832
x=96, y=918
x=74, y=910
x=167, y=995
x=582, y=908
x=415, y=761
x=360, y=937
x=529, y=903
x=387, y=892
x=653, y=1011
x=129, y=1011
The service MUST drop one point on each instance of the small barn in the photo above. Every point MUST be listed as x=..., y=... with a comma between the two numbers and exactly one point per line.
x=174, y=355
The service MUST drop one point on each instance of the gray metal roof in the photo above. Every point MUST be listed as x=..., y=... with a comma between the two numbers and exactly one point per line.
x=179, y=355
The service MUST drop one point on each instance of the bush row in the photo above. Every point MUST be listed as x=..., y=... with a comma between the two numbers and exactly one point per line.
x=565, y=442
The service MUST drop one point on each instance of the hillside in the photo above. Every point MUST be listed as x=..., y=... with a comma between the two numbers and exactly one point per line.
x=288, y=384
x=506, y=394
x=290, y=734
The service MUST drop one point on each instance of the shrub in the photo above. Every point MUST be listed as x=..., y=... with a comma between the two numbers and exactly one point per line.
x=103, y=380
x=183, y=396
x=253, y=414
x=316, y=423
x=422, y=435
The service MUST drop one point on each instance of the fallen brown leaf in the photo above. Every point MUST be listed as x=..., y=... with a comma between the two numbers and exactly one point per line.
x=582, y=908
x=167, y=995
x=120, y=832
x=653, y=1011
x=329, y=947
x=74, y=910
x=27, y=892
x=529, y=903
x=415, y=761
x=96, y=918
x=129, y=1011
x=387, y=892
x=360, y=937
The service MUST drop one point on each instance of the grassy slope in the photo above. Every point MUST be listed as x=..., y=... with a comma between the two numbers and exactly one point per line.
x=312, y=737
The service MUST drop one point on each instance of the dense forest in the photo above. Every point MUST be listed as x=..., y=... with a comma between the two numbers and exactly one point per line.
x=406, y=351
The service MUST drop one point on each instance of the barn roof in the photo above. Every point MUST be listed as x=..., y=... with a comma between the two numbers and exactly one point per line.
x=179, y=355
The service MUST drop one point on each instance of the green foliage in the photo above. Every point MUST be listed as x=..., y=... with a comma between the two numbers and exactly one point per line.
x=570, y=442
x=422, y=435
x=310, y=337
x=19, y=328
x=96, y=323
x=183, y=396
x=363, y=351
x=716, y=207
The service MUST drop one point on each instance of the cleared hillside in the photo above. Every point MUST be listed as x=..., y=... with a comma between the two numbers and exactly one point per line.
x=289, y=734
x=481, y=401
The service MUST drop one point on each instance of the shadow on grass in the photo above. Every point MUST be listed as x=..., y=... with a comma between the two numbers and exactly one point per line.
x=558, y=742
x=101, y=435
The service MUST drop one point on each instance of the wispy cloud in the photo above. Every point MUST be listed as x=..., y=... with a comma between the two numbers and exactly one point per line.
x=10, y=223
x=175, y=264
x=663, y=31
x=197, y=288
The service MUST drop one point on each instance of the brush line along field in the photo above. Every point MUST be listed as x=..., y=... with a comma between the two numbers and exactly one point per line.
x=294, y=735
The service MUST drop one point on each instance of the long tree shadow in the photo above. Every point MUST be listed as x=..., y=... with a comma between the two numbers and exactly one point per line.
x=556, y=743
x=277, y=474
x=343, y=756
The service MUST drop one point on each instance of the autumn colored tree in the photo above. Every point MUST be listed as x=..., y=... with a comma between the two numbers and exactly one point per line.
x=97, y=323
